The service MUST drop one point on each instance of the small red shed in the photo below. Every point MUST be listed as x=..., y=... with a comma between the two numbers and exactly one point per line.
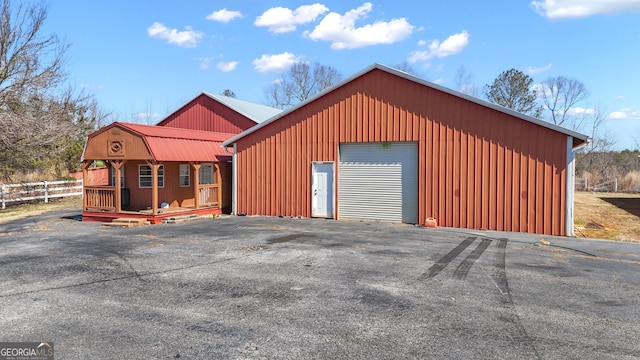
x=385, y=145
x=177, y=163
x=158, y=172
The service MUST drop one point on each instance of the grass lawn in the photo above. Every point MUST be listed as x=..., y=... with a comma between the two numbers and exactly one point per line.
x=20, y=211
x=614, y=216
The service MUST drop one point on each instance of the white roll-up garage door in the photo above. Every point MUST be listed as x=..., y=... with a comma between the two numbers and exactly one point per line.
x=378, y=181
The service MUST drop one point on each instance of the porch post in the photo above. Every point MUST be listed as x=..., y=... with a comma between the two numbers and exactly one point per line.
x=154, y=186
x=117, y=165
x=196, y=184
x=85, y=176
x=218, y=181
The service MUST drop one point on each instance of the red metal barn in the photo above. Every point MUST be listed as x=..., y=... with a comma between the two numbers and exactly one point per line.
x=218, y=113
x=386, y=145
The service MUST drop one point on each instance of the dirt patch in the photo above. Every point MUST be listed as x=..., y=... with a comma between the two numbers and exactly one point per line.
x=613, y=216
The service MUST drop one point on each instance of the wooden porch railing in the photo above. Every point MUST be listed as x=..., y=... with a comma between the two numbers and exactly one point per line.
x=100, y=198
x=104, y=197
x=208, y=195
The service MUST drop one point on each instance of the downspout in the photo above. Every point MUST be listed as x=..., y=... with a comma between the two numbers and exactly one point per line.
x=234, y=178
x=234, y=182
x=570, y=185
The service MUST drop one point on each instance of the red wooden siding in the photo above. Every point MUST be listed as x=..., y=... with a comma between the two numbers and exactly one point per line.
x=204, y=113
x=172, y=193
x=479, y=168
x=133, y=145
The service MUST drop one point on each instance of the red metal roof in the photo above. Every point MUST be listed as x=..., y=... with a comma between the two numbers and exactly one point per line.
x=175, y=133
x=174, y=144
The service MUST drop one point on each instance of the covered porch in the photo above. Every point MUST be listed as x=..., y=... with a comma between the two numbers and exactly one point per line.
x=155, y=173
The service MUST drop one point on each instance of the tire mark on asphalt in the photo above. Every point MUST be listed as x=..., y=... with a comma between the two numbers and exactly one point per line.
x=501, y=281
x=126, y=277
x=436, y=268
x=463, y=269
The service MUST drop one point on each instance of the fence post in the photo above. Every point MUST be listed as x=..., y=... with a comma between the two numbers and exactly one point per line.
x=46, y=192
x=2, y=195
x=615, y=185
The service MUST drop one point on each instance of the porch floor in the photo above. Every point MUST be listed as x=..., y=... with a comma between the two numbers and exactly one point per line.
x=108, y=216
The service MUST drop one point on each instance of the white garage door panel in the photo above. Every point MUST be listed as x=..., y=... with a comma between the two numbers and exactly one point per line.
x=378, y=182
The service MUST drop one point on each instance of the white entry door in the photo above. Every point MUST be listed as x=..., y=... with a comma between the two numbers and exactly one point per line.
x=322, y=190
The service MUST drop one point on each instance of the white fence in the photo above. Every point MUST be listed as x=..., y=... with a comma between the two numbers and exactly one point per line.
x=39, y=191
x=607, y=186
x=582, y=184
x=610, y=186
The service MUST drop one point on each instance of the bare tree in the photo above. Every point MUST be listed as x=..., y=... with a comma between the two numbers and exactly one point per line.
x=29, y=62
x=559, y=95
x=40, y=123
x=301, y=82
x=47, y=132
x=595, y=158
x=464, y=82
x=406, y=67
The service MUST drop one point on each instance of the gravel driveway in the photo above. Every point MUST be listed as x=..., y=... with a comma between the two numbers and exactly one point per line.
x=281, y=288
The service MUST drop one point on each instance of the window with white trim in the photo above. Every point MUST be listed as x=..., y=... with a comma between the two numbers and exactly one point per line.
x=145, y=176
x=206, y=174
x=185, y=179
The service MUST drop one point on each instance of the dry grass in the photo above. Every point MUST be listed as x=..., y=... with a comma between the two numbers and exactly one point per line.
x=21, y=211
x=613, y=216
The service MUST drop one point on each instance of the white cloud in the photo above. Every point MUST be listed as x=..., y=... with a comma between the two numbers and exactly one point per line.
x=582, y=111
x=564, y=9
x=224, y=15
x=227, y=66
x=275, y=63
x=146, y=116
x=625, y=114
x=533, y=71
x=204, y=62
x=451, y=46
x=282, y=20
x=92, y=87
x=618, y=115
x=342, y=32
x=187, y=38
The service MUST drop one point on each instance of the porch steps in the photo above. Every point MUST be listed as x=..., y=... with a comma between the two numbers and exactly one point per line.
x=127, y=222
x=180, y=219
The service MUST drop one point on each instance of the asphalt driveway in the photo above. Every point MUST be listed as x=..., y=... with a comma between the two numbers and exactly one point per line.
x=258, y=287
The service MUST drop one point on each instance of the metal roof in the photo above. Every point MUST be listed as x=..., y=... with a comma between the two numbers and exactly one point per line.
x=253, y=111
x=171, y=132
x=174, y=144
x=581, y=138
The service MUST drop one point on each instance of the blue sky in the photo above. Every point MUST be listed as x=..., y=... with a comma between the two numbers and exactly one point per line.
x=144, y=59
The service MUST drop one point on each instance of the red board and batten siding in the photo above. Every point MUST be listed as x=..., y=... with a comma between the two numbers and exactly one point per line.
x=478, y=168
x=204, y=113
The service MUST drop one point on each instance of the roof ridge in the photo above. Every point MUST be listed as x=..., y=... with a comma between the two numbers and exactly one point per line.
x=418, y=80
